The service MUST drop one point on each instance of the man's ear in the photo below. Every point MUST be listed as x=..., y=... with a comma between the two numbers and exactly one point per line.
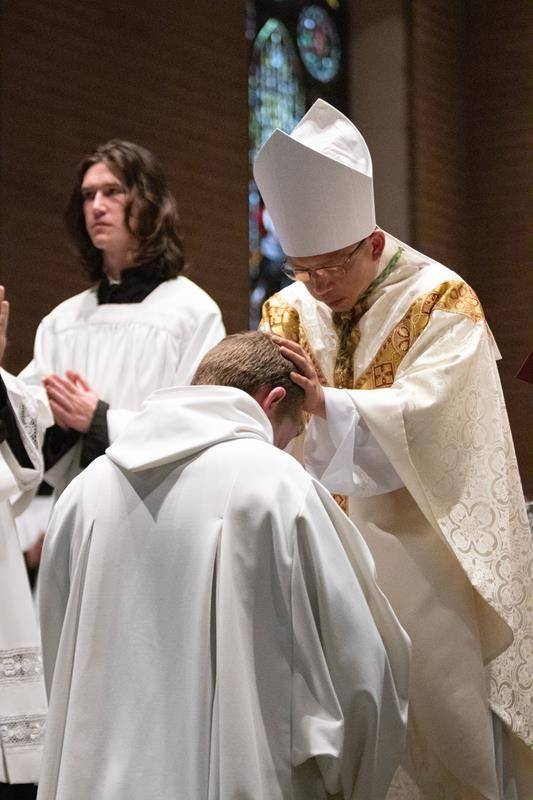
x=271, y=400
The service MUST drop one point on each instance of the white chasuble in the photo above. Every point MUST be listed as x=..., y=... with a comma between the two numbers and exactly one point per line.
x=22, y=695
x=419, y=444
x=212, y=628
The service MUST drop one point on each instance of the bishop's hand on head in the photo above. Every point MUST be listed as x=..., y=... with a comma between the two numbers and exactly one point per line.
x=305, y=375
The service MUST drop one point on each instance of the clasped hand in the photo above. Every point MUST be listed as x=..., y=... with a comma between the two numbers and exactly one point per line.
x=72, y=401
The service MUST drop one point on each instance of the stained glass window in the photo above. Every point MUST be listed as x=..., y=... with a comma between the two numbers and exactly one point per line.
x=276, y=100
x=319, y=43
x=276, y=93
x=295, y=57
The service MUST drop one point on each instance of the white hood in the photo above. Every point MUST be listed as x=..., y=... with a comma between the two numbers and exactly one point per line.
x=176, y=423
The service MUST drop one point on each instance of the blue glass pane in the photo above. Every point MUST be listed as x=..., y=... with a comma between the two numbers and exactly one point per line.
x=276, y=93
x=319, y=43
x=276, y=100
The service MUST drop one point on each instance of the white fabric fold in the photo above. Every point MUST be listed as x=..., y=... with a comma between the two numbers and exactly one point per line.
x=197, y=580
x=344, y=438
x=189, y=419
x=22, y=696
x=453, y=548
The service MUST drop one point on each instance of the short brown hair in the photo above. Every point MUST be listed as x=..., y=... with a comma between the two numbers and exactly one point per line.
x=158, y=226
x=251, y=361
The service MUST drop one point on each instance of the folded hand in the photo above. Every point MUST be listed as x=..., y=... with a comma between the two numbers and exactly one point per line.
x=72, y=401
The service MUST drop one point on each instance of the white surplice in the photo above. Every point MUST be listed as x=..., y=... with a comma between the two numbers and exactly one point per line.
x=205, y=635
x=125, y=351
x=22, y=695
x=421, y=448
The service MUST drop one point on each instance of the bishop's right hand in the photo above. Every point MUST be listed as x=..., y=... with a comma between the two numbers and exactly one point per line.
x=305, y=375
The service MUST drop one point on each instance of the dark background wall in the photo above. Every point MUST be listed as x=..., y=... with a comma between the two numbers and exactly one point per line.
x=442, y=92
x=169, y=75
x=440, y=89
x=470, y=96
x=499, y=101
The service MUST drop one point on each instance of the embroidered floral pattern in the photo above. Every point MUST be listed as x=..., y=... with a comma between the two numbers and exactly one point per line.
x=28, y=421
x=453, y=296
x=283, y=320
x=280, y=318
x=22, y=731
x=24, y=664
x=459, y=298
x=472, y=482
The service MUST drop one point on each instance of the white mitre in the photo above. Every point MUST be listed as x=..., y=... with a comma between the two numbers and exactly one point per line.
x=317, y=183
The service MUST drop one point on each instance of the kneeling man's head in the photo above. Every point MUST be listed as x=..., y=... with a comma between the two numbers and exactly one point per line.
x=252, y=362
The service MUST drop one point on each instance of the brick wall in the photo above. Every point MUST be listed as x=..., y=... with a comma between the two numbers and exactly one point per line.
x=469, y=95
x=441, y=90
x=500, y=98
x=171, y=76
x=438, y=128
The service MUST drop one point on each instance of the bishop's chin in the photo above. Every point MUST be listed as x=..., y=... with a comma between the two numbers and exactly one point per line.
x=340, y=305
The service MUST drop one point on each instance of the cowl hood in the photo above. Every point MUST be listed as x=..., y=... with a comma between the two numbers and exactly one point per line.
x=174, y=424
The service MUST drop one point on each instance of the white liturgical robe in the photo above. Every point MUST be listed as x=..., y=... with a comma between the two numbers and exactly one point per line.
x=22, y=695
x=212, y=627
x=125, y=351
x=416, y=438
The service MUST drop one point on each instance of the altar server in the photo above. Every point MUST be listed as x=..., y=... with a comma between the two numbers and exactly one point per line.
x=142, y=324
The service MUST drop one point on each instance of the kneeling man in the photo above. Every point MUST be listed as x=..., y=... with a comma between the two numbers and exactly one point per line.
x=212, y=628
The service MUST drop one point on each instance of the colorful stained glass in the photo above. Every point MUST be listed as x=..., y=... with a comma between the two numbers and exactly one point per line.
x=319, y=43
x=276, y=100
x=276, y=93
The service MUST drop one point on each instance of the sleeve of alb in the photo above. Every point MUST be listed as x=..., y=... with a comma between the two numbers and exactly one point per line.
x=96, y=440
x=57, y=442
x=9, y=431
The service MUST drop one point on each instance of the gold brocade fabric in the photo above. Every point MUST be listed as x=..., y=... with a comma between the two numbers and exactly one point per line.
x=348, y=334
x=342, y=501
x=461, y=452
x=453, y=296
x=282, y=319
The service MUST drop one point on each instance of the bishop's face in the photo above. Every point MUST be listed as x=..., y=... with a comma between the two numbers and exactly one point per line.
x=339, y=278
x=104, y=208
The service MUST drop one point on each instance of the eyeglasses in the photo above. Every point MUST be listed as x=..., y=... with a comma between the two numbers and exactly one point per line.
x=307, y=275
